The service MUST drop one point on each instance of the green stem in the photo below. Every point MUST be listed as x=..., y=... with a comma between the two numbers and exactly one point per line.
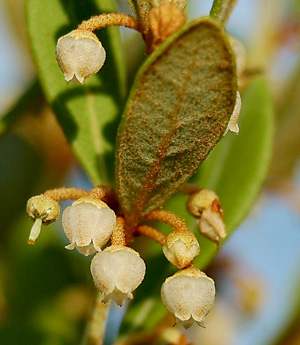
x=221, y=10
x=96, y=325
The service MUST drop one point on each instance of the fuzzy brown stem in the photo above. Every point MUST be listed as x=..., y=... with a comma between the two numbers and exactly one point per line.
x=152, y=233
x=66, y=193
x=109, y=19
x=169, y=218
x=96, y=326
x=105, y=193
x=118, y=235
x=148, y=39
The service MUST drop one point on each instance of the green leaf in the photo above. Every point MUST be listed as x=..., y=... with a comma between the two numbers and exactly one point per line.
x=23, y=103
x=21, y=169
x=88, y=114
x=286, y=150
x=237, y=167
x=178, y=110
x=235, y=170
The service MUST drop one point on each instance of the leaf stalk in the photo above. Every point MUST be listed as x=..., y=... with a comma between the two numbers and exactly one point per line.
x=221, y=10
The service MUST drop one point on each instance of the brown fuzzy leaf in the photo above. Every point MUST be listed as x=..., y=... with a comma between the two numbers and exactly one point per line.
x=177, y=111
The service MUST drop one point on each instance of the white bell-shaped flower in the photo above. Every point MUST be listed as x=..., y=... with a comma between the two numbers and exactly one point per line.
x=42, y=210
x=79, y=55
x=117, y=272
x=181, y=248
x=188, y=295
x=88, y=224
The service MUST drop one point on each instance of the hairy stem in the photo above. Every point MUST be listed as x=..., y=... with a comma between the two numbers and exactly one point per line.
x=66, y=193
x=118, y=19
x=106, y=194
x=118, y=235
x=221, y=10
x=100, y=192
x=152, y=233
x=96, y=325
x=169, y=218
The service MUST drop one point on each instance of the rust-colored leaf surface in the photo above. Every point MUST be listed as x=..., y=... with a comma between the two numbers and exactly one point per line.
x=177, y=111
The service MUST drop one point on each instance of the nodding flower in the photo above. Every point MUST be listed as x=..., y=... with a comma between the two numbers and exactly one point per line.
x=117, y=271
x=189, y=296
x=88, y=224
x=42, y=210
x=79, y=55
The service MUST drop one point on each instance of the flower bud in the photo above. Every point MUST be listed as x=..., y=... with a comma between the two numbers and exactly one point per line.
x=188, y=295
x=205, y=205
x=117, y=272
x=233, y=121
x=164, y=20
x=200, y=201
x=181, y=248
x=211, y=225
x=88, y=224
x=79, y=55
x=44, y=211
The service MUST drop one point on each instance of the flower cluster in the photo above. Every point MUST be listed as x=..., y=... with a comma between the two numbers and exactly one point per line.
x=117, y=270
x=89, y=223
x=94, y=224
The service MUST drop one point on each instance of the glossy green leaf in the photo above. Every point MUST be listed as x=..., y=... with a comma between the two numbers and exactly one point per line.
x=177, y=111
x=88, y=114
x=235, y=170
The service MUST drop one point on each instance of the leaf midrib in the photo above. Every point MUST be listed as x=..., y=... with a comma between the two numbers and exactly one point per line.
x=165, y=143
